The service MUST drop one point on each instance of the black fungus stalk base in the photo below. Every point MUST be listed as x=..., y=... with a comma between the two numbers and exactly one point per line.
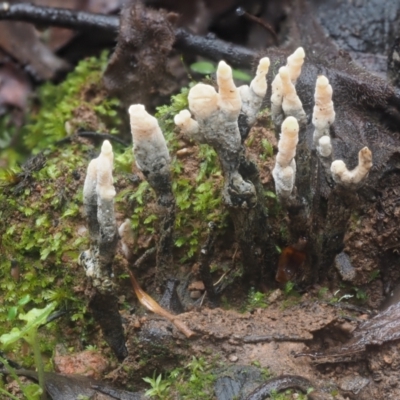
x=104, y=308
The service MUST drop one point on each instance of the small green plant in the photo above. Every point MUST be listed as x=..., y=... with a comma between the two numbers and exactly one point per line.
x=268, y=149
x=31, y=391
x=289, y=288
x=29, y=333
x=360, y=294
x=255, y=300
x=195, y=380
x=374, y=275
x=159, y=386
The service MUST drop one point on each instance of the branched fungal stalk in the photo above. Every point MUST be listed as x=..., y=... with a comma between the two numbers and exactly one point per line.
x=222, y=120
x=152, y=158
x=216, y=123
x=284, y=99
x=98, y=200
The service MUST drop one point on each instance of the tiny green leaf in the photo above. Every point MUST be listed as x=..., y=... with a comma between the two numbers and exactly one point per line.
x=203, y=67
x=241, y=75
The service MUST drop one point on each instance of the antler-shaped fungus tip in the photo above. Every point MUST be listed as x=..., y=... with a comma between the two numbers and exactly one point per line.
x=203, y=100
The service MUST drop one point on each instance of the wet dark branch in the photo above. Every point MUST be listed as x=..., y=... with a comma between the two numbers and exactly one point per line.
x=215, y=49
x=208, y=46
x=58, y=17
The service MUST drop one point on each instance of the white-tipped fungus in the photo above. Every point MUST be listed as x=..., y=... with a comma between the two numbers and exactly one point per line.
x=291, y=104
x=228, y=94
x=324, y=113
x=253, y=95
x=324, y=146
x=203, y=100
x=216, y=123
x=89, y=187
x=98, y=198
x=150, y=148
x=294, y=63
x=276, y=99
x=259, y=84
x=186, y=123
x=105, y=188
x=343, y=176
x=293, y=67
x=284, y=172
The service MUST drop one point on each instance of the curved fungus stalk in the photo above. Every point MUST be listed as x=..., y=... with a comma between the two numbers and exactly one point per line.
x=342, y=176
x=98, y=200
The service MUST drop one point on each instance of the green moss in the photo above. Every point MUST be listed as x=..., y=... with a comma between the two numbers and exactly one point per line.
x=38, y=228
x=40, y=210
x=78, y=102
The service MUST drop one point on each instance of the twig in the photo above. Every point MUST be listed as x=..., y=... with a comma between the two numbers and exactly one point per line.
x=208, y=46
x=215, y=49
x=144, y=257
x=241, y=12
x=58, y=17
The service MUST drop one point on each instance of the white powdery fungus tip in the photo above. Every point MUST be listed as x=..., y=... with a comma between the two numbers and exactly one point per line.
x=89, y=187
x=106, y=148
x=288, y=140
x=291, y=103
x=143, y=125
x=224, y=71
x=284, y=172
x=105, y=188
x=149, y=146
x=253, y=95
x=259, y=83
x=229, y=99
x=323, y=113
x=284, y=99
x=203, y=100
x=182, y=118
x=343, y=176
x=324, y=147
x=186, y=123
x=294, y=63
